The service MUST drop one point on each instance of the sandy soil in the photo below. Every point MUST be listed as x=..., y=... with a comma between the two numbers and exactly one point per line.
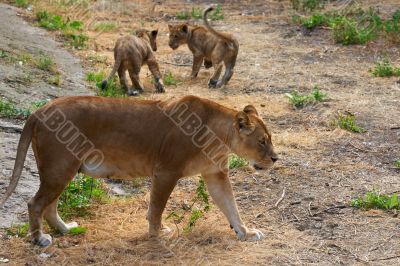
x=321, y=168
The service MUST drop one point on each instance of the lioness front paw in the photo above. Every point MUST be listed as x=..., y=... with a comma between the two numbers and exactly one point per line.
x=250, y=235
x=43, y=240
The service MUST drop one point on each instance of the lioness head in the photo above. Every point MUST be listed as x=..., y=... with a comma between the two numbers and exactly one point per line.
x=253, y=140
x=177, y=35
x=150, y=36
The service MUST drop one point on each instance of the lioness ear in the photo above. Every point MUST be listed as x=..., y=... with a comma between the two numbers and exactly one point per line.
x=244, y=123
x=185, y=28
x=251, y=110
x=154, y=33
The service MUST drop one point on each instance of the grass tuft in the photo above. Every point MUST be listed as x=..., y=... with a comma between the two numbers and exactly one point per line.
x=18, y=230
x=397, y=164
x=385, y=69
x=9, y=110
x=169, y=79
x=347, y=122
x=113, y=88
x=299, y=101
x=79, y=195
x=236, y=161
x=375, y=200
x=77, y=230
x=105, y=26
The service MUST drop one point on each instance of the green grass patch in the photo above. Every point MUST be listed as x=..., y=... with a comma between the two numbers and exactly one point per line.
x=196, y=13
x=79, y=230
x=376, y=200
x=21, y=3
x=45, y=62
x=105, y=26
x=9, y=110
x=298, y=100
x=384, y=68
x=18, y=230
x=192, y=213
x=235, y=161
x=113, y=88
x=70, y=30
x=79, y=195
x=353, y=25
x=55, y=80
x=182, y=15
x=170, y=80
x=348, y=122
x=397, y=164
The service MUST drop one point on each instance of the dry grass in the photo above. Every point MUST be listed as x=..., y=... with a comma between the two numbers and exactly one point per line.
x=321, y=167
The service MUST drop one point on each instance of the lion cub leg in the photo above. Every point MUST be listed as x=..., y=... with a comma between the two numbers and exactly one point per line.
x=197, y=62
x=161, y=189
x=220, y=189
x=55, y=221
x=155, y=71
x=212, y=83
x=122, y=78
x=137, y=85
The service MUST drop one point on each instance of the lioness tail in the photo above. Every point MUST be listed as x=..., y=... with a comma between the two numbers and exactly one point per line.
x=113, y=71
x=23, y=145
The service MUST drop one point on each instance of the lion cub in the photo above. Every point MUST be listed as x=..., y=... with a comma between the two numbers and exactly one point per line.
x=130, y=53
x=207, y=44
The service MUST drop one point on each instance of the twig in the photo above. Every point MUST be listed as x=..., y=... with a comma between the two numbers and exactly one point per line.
x=387, y=258
x=281, y=198
x=393, y=128
x=358, y=148
x=174, y=64
x=309, y=209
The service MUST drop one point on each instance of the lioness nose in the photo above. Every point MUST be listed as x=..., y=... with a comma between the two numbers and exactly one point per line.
x=274, y=158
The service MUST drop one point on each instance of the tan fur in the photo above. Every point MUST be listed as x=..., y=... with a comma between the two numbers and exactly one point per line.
x=207, y=44
x=130, y=53
x=165, y=147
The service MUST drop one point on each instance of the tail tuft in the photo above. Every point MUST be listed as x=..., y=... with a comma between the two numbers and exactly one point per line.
x=104, y=84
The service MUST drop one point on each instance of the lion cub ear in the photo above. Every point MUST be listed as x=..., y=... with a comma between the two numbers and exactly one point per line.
x=244, y=123
x=154, y=33
x=251, y=110
x=185, y=28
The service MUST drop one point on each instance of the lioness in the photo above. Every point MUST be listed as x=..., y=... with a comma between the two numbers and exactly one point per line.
x=209, y=45
x=180, y=138
x=130, y=53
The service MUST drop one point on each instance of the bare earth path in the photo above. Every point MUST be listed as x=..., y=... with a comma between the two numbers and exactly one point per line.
x=24, y=84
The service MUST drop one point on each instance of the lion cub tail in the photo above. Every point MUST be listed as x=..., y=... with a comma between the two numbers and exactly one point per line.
x=228, y=38
x=23, y=146
x=116, y=66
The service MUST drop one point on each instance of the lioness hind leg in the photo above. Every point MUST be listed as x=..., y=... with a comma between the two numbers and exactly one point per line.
x=48, y=193
x=161, y=189
x=55, y=221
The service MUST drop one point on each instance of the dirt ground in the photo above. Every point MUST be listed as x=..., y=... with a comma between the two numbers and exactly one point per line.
x=321, y=167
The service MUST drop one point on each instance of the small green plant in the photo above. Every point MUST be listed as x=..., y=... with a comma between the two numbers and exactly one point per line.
x=105, y=26
x=49, y=21
x=81, y=192
x=298, y=100
x=385, y=69
x=348, y=123
x=236, y=161
x=18, y=230
x=199, y=206
x=397, y=163
x=77, y=230
x=21, y=3
x=169, y=79
x=113, y=88
x=217, y=14
x=182, y=15
x=375, y=200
